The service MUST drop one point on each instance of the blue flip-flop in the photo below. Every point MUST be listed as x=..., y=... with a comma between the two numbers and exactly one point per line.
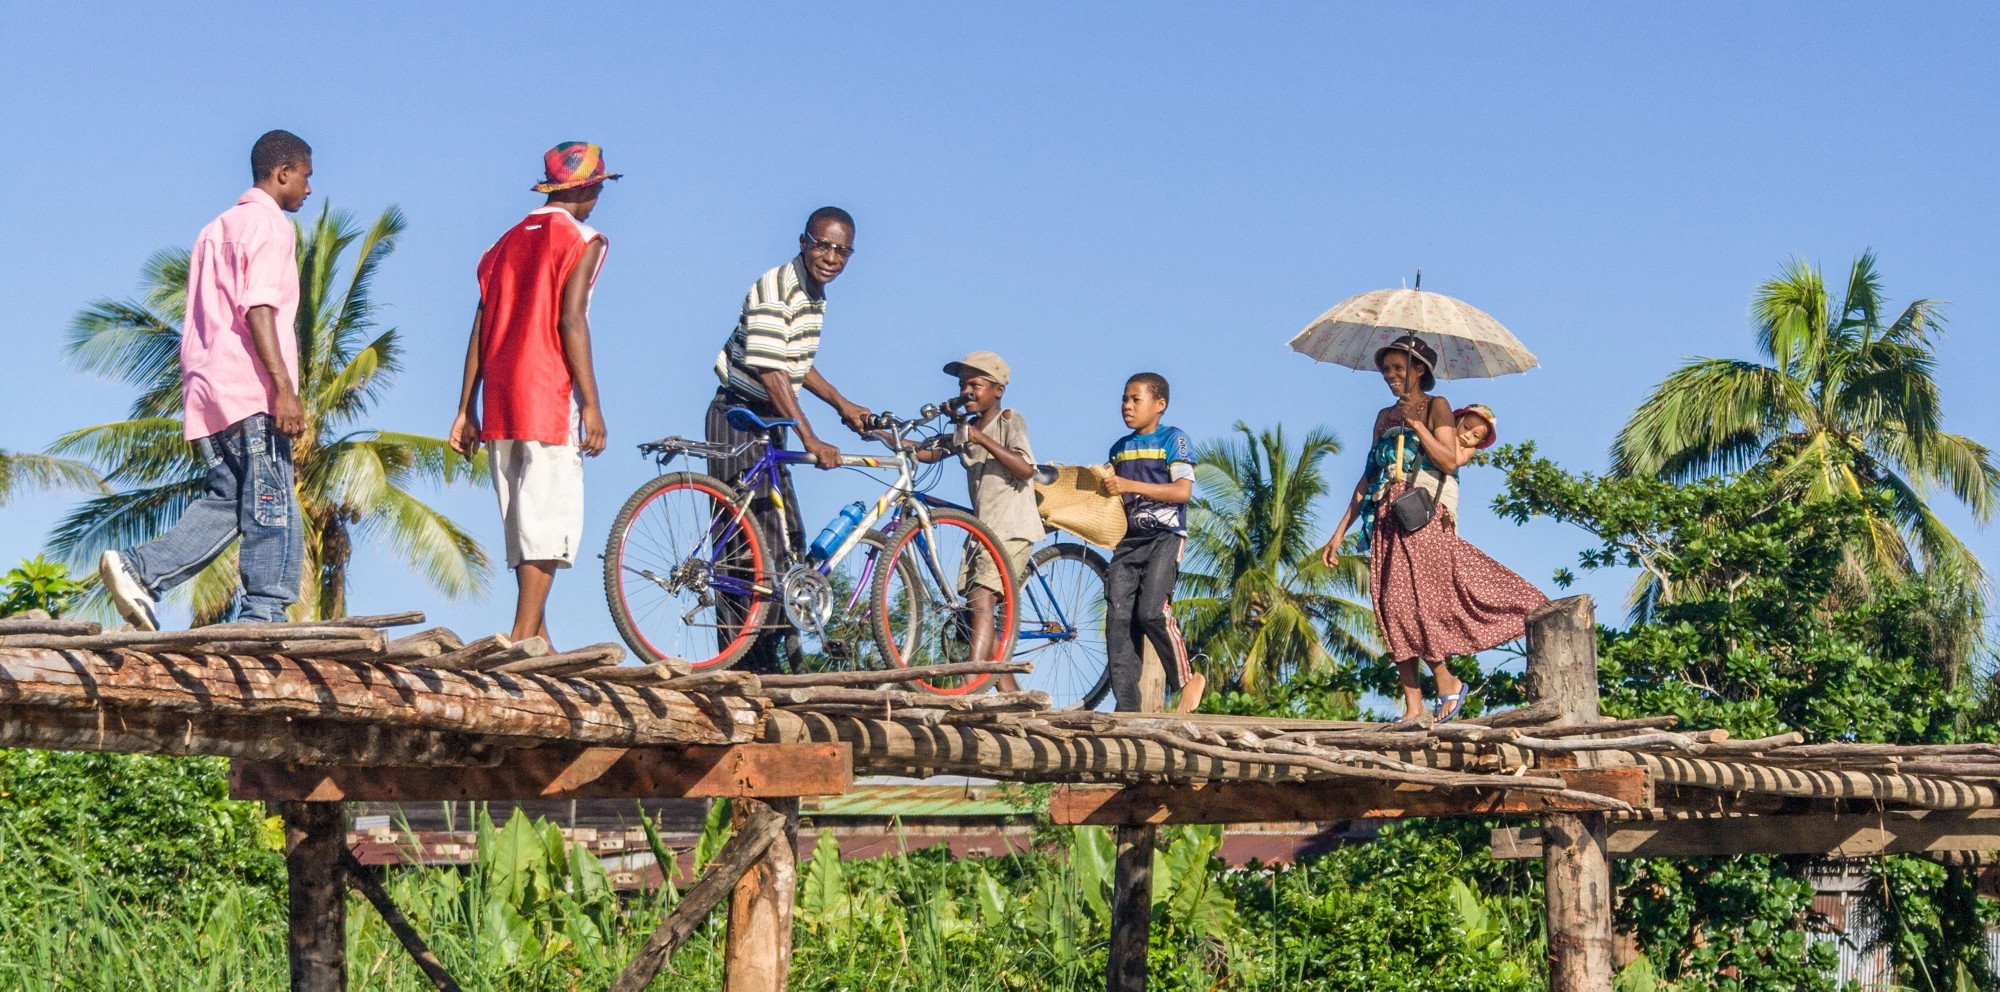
x=1448, y=706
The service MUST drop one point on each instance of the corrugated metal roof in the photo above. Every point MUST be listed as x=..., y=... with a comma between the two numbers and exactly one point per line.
x=918, y=800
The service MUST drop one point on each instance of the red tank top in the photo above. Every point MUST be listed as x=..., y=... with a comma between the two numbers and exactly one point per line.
x=527, y=389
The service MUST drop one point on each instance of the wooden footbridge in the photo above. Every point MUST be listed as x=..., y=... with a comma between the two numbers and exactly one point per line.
x=314, y=715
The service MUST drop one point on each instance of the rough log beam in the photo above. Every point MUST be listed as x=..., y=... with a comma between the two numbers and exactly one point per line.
x=1851, y=835
x=883, y=744
x=895, y=676
x=701, y=771
x=385, y=695
x=1911, y=790
x=251, y=738
x=1226, y=802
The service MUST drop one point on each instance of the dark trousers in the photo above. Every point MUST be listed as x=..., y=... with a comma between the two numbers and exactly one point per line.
x=1139, y=595
x=764, y=654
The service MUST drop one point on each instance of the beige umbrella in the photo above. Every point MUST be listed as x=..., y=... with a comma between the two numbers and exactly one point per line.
x=1470, y=344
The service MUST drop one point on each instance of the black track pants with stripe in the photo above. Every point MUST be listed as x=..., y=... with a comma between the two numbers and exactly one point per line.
x=1139, y=595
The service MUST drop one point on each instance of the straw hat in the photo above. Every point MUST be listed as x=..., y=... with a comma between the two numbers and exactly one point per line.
x=1076, y=502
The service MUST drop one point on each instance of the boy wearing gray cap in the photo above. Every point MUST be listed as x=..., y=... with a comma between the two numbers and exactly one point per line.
x=999, y=473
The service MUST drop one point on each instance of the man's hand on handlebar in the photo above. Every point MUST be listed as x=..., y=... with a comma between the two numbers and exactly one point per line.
x=825, y=456
x=856, y=417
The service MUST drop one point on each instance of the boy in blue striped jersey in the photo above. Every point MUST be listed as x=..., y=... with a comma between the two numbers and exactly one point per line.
x=1152, y=470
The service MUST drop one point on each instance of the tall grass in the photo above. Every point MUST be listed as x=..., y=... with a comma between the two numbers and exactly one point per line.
x=536, y=913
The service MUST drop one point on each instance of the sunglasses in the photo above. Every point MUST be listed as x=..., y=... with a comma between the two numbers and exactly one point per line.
x=829, y=248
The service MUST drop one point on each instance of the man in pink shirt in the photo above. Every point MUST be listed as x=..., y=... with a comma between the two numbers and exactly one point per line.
x=240, y=402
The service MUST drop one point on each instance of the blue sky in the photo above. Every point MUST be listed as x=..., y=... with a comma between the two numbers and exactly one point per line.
x=1089, y=189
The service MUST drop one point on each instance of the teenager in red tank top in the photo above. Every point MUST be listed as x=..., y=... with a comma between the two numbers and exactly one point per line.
x=527, y=384
x=528, y=366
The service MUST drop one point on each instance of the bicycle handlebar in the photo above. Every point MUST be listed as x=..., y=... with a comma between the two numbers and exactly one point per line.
x=951, y=409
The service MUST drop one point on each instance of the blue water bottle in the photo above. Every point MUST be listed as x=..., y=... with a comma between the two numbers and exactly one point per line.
x=830, y=539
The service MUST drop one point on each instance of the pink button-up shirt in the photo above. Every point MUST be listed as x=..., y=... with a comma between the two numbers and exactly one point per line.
x=245, y=258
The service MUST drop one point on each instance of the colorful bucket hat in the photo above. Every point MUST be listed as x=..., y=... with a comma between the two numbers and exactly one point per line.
x=1483, y=412
x=573, y=164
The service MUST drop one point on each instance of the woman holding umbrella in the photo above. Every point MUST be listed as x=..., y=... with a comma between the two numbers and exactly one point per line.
x=1435, y=595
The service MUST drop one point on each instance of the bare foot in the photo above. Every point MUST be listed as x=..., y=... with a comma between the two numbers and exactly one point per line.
x=1191, y=693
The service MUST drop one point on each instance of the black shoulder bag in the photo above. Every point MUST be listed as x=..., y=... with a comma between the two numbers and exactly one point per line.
x=1414, y=509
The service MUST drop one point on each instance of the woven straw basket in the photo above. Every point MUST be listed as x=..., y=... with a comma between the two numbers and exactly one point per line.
x=1076, y=502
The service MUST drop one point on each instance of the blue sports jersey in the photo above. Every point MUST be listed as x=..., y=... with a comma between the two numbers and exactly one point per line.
x=1160, y=457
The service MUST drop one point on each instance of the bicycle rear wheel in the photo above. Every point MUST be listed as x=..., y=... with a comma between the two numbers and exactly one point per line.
x=920, y=615
x=1062, y=626
x=687, y=572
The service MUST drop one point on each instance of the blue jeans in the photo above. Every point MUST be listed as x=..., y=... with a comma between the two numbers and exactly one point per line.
x=248, y=494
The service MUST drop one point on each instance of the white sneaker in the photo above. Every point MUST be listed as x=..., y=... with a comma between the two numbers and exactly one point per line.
x=134, y=603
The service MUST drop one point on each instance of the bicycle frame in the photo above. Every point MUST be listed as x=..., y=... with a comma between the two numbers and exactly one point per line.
x=765, y=477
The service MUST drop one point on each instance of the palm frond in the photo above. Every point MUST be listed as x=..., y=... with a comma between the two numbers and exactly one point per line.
x=431, y=459
x=143, y=451
x=1791, y=313
x=448, y=558
x=1861, y=309
x=121, y=520
x=135, y=343
x=357, y=307
x=24, y=472
x=357, y=384
x=1957, y=463
x=1711, y=415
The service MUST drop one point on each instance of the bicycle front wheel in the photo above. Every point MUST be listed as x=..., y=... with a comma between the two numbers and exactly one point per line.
x=687, y=572
x=920, y=604
x=1062, y=626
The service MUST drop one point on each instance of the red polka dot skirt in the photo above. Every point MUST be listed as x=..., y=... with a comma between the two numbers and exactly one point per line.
x=1436, y=595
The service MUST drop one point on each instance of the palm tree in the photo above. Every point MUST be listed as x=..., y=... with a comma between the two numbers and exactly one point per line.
x=1254, y=596
x=1846, y=405
x=353, y=481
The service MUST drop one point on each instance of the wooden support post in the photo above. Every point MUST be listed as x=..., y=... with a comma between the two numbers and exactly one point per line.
x=1152, y=679
x=1562, y=667
x=754, y=829
x=757, y=950
x=1131, y=909
x=314, y=837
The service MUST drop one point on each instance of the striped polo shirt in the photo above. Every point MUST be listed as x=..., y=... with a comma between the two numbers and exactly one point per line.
x=779, y=329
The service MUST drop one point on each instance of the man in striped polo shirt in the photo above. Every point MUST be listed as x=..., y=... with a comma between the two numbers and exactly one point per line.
x=767, y=360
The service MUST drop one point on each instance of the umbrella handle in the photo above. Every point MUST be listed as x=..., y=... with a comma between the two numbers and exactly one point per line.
x=1397, y=472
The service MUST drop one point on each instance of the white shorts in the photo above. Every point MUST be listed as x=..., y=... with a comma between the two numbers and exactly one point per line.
x=541, y=499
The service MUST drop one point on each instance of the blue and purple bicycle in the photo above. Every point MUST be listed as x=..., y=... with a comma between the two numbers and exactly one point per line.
x=690, y=572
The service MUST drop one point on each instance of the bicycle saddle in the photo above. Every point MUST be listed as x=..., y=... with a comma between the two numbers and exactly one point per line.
x=744, y=420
